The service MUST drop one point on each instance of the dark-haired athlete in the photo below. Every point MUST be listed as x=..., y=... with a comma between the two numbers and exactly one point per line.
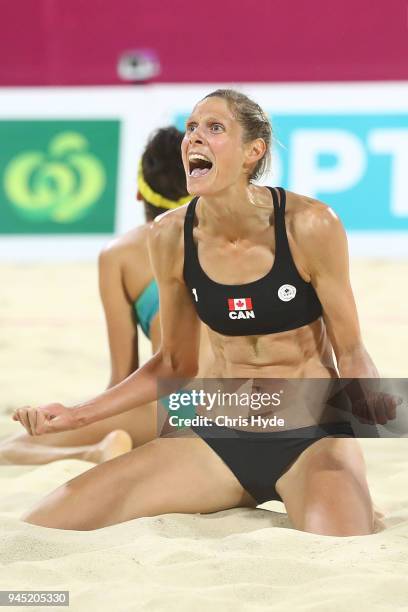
x=129, y=295
x=287, y=255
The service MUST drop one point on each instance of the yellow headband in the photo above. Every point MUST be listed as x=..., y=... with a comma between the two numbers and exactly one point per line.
x=151, y=197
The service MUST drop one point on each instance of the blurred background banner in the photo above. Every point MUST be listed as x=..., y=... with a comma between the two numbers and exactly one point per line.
x=68, y=159
x=58, y=176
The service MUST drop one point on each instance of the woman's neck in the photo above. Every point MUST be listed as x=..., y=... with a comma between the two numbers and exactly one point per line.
x=236, y=212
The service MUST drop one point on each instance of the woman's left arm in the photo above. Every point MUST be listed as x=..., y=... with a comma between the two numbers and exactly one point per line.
x=325, y=257
x=323, y=243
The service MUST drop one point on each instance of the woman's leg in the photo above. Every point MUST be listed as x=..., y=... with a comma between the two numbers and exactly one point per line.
x=20, y=450
x=140, y=423
x=325, y=490
x=165, y=475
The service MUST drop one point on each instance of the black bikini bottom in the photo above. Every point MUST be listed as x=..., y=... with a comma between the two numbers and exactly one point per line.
x=258, y=460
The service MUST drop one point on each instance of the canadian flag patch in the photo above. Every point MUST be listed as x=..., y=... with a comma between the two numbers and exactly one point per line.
x=240, y=304
x=240, y=308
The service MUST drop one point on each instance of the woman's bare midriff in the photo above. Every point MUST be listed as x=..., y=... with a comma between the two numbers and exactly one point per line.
x=304, y=352
x=264, y=362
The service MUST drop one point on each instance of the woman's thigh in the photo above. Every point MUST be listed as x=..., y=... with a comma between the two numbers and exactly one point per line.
x=325, y=490
x=165, y=475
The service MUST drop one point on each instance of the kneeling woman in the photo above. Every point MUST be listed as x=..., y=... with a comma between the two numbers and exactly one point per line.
x=235, y=246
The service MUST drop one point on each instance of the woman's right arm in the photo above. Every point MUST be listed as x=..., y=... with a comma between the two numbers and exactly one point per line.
x=177, y=357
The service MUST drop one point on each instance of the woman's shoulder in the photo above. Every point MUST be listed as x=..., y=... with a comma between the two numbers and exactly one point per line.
x=127, y=245
x=315, y=232
x=309, y=217
x=168, y=227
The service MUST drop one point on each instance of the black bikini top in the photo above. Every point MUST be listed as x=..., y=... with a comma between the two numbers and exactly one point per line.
x=279, y=301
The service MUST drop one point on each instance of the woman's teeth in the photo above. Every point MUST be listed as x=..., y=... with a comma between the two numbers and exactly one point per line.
x=199, y=164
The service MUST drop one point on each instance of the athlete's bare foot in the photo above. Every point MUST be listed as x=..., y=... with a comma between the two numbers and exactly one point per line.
x=116, y=443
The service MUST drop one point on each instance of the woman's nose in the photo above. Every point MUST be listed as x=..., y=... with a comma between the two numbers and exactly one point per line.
x=196, y=136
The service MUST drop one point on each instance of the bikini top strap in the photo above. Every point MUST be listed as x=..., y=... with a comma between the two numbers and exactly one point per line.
x=189, y=245
x=281, y=237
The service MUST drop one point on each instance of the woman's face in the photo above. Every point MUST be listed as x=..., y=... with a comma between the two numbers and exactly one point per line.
x=213, y=152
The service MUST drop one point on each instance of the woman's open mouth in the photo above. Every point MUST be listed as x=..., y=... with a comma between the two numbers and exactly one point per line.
x=199, y=165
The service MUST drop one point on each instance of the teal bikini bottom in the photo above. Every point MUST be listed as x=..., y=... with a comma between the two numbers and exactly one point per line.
x=147, y=306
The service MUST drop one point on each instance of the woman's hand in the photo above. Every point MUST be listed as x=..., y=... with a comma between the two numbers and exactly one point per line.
x=46, y=419
x=376, y=408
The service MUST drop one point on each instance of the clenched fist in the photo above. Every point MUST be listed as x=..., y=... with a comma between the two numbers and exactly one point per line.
x=376, y=407
x=46, y=419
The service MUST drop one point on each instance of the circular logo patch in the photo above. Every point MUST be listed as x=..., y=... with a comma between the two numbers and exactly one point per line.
x=286, y=293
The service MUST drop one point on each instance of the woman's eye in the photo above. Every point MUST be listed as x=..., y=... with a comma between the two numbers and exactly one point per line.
x=217, y=127
x=190, y=128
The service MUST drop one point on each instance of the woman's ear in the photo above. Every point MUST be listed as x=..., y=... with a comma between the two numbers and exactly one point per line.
x=139, y=196
x=256, y=149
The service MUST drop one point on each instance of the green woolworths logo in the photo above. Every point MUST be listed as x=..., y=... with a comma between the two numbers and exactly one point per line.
x=61, y=185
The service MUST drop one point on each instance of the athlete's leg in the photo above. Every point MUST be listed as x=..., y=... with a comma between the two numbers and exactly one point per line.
x=163, y=476
x=23, y=452
x=140, y=423
x=325, y=490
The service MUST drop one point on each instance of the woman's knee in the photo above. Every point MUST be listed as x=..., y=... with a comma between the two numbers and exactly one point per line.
x=336, y=495
x=337, y=505
x=58, y=510
x=87, y=501
x=326, y=492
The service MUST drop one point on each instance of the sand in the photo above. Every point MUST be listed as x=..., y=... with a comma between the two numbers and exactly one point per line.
x=53, y=346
